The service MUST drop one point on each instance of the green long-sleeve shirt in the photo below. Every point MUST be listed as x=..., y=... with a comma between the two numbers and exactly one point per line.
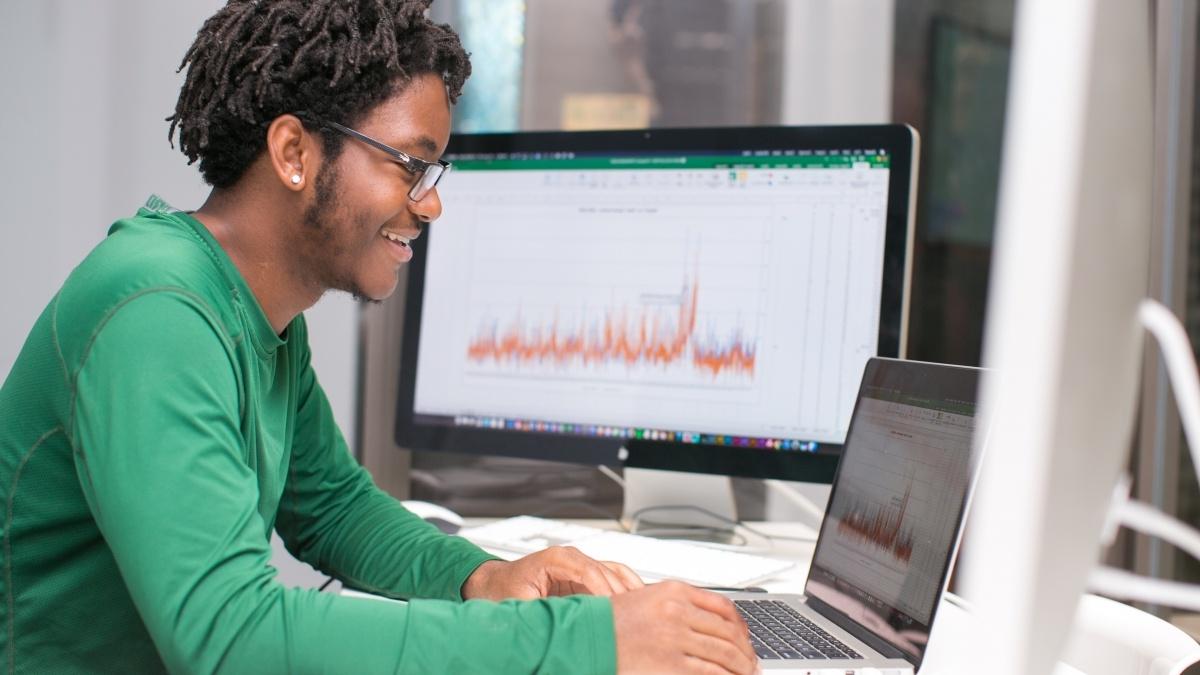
x=153, y=430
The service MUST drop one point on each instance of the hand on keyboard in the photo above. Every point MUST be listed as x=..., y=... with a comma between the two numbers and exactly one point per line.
x=558, y=570
x=674, y=628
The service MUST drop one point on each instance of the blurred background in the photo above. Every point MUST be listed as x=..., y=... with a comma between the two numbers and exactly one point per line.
x=87, y=85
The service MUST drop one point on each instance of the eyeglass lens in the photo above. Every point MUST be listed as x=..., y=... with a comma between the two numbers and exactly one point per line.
x=428, y=179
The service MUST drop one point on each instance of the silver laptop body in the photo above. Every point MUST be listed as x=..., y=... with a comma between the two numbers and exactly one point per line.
x=890, y=533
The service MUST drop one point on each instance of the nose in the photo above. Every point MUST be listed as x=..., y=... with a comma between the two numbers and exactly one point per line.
x=429, y=208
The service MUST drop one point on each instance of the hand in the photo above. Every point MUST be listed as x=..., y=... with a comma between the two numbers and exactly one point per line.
x=674, y=628
x=558, y=570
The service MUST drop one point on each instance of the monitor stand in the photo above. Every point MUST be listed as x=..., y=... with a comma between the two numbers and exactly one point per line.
x=676, y=504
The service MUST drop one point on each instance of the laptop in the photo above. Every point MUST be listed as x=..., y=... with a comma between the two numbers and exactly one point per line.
x=890, y=533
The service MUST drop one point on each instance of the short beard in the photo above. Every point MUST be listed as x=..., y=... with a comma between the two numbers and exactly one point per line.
x=316, y=220
x=325, y=202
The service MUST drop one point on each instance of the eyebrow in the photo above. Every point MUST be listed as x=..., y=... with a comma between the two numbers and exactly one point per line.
x=425, y=143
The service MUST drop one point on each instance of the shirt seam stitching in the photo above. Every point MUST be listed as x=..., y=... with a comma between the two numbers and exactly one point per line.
x=62, y=360
x=8, y=516
x=189, y=221
x=73, y=378
x=100, y=325
x=230, y=282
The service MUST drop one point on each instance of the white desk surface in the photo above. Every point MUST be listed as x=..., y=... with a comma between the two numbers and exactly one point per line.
x=950, y=623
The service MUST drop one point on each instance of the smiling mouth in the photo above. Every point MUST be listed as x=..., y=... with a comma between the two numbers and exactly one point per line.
x=397, y=238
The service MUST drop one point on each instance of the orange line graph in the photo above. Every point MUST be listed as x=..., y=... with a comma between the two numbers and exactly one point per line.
x=620, y=337
x=883, y=528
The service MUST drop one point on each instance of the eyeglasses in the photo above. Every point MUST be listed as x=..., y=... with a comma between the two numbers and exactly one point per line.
x=427, y=173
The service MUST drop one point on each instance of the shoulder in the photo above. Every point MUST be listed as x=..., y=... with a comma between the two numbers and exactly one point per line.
x=149, y=255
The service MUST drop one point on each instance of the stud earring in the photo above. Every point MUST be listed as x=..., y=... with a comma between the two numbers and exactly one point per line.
x=295, y=179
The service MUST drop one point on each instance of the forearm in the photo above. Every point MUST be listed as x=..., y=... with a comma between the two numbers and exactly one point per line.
x=295, y=631
x=371, y=542
x=333, y=517
x=554, y=635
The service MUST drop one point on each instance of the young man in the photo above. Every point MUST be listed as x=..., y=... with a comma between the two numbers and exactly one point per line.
x=163, y=417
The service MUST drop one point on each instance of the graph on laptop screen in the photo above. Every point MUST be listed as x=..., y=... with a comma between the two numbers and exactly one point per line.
x=893, y=519
x=719, y=289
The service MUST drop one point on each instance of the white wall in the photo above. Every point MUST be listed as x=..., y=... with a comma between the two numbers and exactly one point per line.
x=86, y=87
x=837, y=66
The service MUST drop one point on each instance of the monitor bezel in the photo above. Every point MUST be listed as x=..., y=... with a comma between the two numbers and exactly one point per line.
x=897, y=140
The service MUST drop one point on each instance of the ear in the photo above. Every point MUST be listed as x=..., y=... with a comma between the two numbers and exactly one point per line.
x=293, y=152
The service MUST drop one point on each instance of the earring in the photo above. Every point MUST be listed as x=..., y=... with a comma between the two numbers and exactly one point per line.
x=295, y=179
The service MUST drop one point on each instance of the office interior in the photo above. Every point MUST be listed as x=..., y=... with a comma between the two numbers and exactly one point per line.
x=95, y=81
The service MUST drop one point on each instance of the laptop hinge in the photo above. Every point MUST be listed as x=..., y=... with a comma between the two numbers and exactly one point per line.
x=859, y=631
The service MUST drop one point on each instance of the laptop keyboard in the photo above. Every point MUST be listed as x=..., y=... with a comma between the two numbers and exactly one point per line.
x=780, y=632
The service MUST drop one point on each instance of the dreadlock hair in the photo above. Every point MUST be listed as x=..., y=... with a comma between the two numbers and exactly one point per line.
x=255, y=60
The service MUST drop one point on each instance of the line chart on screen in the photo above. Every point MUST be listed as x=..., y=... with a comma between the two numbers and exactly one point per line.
x=685, y=306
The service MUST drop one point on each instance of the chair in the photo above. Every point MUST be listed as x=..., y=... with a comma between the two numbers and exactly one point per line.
x=1112, y=638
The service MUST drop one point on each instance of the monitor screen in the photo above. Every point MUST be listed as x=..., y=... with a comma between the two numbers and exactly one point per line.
x=718, y=289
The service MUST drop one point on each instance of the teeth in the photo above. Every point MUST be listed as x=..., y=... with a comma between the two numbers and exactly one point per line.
x=399, y=239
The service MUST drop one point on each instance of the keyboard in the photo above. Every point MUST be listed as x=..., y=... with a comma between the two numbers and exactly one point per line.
x=778, y=631
x=653, y=559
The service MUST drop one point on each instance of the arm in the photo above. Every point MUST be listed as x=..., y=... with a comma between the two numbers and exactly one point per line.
x=160, y=458
x=333, y=517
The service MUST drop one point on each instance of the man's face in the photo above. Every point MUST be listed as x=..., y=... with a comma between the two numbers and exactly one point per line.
x=363, y=195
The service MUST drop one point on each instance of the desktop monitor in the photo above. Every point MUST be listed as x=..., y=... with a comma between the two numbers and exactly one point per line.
x=705, y=298
x=1063, y=342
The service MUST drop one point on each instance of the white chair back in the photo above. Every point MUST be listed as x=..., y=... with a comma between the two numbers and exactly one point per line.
x=1112, y=638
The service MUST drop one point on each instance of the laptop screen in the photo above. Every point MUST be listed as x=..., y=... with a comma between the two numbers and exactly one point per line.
x=897, y=504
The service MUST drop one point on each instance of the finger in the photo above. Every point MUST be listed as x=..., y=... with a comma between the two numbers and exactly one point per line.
x=576, y=567
x=719, y=650
x=597, y=579
x=702, y=667
x=628, y=577
x=735, y=635
x=577, y=586
x=614, y=580
x=721, y=655
x=717, y=604
x=564, y=582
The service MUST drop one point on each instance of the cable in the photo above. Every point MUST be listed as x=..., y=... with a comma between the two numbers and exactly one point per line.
x=799, y=500
x=958, y=601
x=550, y=511
x=806, y=539
x=681, y=529
x=325, y=585
x=616, y=478
x=636, y=516
x=771, y=538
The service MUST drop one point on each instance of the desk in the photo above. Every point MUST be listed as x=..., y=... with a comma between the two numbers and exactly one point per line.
x=950, y=627
x=950, y=624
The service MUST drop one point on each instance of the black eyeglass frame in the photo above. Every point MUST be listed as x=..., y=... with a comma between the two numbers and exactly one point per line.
x=428, y=174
